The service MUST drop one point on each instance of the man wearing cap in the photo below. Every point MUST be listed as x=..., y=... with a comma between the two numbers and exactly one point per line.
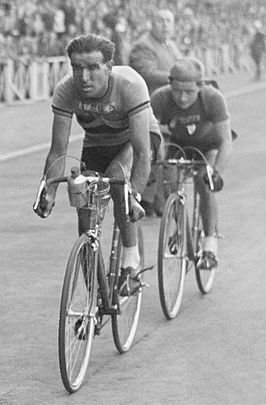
x=195, y=114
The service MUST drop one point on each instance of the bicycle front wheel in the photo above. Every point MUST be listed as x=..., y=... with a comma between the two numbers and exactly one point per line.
x=205, y=278
x=77, y=314
x=172, y=256
x=125, y=320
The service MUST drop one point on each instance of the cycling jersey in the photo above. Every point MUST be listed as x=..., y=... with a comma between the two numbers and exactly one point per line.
x=106, y=120
x=191, y=126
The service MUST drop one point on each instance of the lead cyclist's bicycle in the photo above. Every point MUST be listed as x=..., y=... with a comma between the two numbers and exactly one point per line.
x=90, y=295
x=181, y=231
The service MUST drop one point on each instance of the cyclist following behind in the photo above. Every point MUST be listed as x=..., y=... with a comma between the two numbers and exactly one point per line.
x=112, y=105
x=191, y=113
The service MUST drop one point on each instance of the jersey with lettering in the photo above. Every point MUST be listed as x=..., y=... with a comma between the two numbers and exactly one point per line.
x=191, y=126
x=106, y=120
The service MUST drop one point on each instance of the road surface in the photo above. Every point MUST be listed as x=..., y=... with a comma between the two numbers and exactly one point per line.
x=213, y=353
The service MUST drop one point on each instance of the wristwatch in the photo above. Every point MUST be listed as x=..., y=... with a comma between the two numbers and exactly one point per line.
x=136, y=195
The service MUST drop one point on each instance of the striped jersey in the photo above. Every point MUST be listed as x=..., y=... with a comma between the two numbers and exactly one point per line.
x=106, y=120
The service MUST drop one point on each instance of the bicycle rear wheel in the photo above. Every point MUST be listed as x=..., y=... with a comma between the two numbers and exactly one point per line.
x=205, y=278
x=125, y=321
x=77, y=314
x=172, y=256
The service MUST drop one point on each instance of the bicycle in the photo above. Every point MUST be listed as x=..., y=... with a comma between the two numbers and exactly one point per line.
x=90, y=295
x=180, y=237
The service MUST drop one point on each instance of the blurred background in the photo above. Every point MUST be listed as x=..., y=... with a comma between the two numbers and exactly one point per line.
x=219, y=32
x=43, y=27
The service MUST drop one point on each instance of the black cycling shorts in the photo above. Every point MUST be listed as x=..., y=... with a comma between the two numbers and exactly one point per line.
x=98, y=158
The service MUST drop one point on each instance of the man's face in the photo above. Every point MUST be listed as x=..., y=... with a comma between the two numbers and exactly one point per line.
x=163, y=24
x=184, y=93
x=90, y=73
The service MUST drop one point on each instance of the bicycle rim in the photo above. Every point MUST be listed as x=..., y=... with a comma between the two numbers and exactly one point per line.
x=171, y=256
x=205, y=278
x=77, y=315
x=124, y=323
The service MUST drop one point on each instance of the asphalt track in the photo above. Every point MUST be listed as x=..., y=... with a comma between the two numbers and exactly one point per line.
x=213, y=353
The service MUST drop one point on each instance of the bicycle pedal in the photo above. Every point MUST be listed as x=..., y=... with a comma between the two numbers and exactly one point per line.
x=144, y=285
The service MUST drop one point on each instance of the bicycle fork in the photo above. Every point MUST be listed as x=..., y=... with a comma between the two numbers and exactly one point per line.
x=188, y=242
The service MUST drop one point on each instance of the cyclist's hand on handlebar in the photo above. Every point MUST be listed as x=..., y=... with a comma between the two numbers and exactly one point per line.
x=136, y=212
x=217, y=181
x=45, y=207
x=44, y=204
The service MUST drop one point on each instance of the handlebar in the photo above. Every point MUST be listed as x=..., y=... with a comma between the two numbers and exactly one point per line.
x=185, y=162
x=90, y=180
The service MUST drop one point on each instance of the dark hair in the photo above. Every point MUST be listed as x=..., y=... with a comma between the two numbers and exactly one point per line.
x=90, y=43
x=187, y=69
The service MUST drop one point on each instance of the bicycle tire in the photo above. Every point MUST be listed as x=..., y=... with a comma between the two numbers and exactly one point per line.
x=77, y=314
x=124, y=323
x=172, y=260
x=205, y=278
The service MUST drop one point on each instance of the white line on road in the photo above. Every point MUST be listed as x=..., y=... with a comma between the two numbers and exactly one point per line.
x=35, y=148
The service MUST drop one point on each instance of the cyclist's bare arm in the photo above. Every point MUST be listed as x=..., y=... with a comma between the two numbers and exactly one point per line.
x=140, y=140
x=223, y=129
x=60, y=137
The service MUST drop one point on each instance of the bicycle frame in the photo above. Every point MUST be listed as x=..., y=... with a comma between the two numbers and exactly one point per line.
x=106, y=281
x=96, y=216
x=186, y=170
x=106, y=284
x=190, y=230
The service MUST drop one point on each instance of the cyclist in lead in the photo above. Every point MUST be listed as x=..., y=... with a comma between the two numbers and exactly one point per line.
x=192, y=113
x=112, y=105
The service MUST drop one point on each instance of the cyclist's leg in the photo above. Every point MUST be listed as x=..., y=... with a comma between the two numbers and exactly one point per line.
x=209, y=145
x=208, y=210
x=153, y=197
x=120, y=167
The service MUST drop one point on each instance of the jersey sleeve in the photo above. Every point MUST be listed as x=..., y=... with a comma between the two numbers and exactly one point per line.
x=216, y=105
x=62, y=103
x=135, y=96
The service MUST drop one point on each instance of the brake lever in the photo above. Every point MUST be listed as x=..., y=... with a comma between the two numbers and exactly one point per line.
x=42, y=187
x=126, y=196
x=209, y=170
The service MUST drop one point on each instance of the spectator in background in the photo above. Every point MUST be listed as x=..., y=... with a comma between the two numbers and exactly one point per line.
x=117, y=25
x=257, y=48
x=152, y=56
x=155, y=50
x=111, y=21
x=59, y=21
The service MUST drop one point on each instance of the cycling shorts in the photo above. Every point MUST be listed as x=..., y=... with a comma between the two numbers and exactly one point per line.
x=98, y=158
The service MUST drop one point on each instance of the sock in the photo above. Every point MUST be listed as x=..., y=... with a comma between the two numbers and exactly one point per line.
x=210, y=244
x=130, y=257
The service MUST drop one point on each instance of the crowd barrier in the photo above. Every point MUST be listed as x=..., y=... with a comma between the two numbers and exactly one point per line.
x=24, y=80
